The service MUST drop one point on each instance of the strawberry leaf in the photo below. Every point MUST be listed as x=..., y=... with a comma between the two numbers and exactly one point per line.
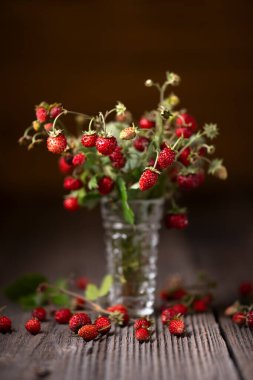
x=105, y=285
x=24, y=286
x=92, y=292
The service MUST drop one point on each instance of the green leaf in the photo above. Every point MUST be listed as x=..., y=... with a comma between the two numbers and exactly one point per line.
x=93, y=183
x=24, y=286
x=90, y=200
x=127, y=211
x=92, y=292
x=105, y=285
x=59, y=299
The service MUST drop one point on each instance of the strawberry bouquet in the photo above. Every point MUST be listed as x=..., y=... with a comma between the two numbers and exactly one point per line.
x=125, y=163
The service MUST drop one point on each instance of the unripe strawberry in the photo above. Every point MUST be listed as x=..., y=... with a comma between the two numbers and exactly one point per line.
x=103, y=325
x=33, y=326
x=145, y=123
x=148, y=179
x=39, y=313
x=128, y=133
x=36, y=125
x=78, y=320
x=56, y=144
x=106, y=145
x=5, y=324
x=41, y=114
x=89, y=139
x=141, y=143
x=239, y=318
x=71, y=183
x=79, y=159
x=88, y=332
x=71, y=204
x=105, y=185
x=178, y=221
x=142, y=334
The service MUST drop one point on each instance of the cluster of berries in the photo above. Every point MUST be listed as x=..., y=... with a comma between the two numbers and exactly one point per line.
x=241, y=311
x=164, y=144
x=173, y=318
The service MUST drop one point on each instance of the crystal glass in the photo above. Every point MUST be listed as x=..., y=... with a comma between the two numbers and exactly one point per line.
x=132, y=253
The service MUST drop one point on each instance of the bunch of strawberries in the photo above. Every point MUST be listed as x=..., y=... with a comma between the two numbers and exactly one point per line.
x=158, y=156
x=241, y=311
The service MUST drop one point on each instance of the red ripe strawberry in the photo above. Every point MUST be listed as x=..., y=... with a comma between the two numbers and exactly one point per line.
x=180, y=308
x=64, y=167
x=190, y=181
x=148, y=179
x=122, y=310
x=106, y=145
x=164, y=295
x=88, y=332
x=79, y=159
x=200, y=306
x=145, y=123
x=249, y=318
x=239, y=318
x=33, y=326
x=117, y=158
x=246, y=288
x=166, y=157
x=41, y=114
x=179, y=293
x=184, y=156
x=141, y=143
x=176, y=326
x=5, y=324
x=167, y=315
x=71, y=183
x=48, y=126
x=56, y=144
x=207, y=298
x=78, y=303
x=71, y=204
x=185, y=132
x=89, y=139
x=103, y=325
x=202, y=151
x=39, y=313
x=62, y=316
x=81, y=283
x=78, y=320
x=185, y=125
x=178, y=221
x=105, y=185
x=55, y=111
x=142, y=334
x=142, y=322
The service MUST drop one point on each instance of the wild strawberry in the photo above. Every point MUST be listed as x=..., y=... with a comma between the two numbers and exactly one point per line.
x=64, y=167
x=246, y=288
x=5, y=324
x=166, y=157
x=142, y=334
x=184, y=156
x=185, y=125
x=207, y=298
x=71, y=183
x=176, y=326
x=200, y=306
x=178, y=221
x=125, y=117
x=56, y=144
x=62, y=316
x=142, y=322
x=180, y=308
x=78, y=303
x=232, y=309
x=122, y=311
x=106, y=145
x=145, y=123
x=117, y=158
x=39, y=313
x=249, y=318
x=190, y=181
x=33, y=326
x=167, y=315
x=118, y=307
x=239, y=318
x=128, y=133
x=78, y=320
x=55, y=111
x=202, y=151
x=141, y=143
x=79, y=159
x=81, y=283
x=88, y=332
x=103, y=325
x=41, y=114
x=71, y=204
x=148, y=179
x=48, y=126
x=178, y=293
x=164, y=295
x=89, y=139
x=36, y=125
x=105, y=185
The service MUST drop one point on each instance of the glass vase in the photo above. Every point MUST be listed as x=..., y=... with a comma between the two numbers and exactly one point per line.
x=132, y=253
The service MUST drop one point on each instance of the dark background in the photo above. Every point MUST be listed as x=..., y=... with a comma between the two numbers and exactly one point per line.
x=89, y=54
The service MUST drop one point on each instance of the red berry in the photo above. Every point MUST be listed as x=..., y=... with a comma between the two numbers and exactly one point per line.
x=167, y=315
x=55, y=111
x=78, y=303
x=64, y=167
x=164, y=295
x=117, y=158
x=81, y=283
x=207, y=299
x=88, y=332
x=78, y=320
x=239, y=318
x=48, y=126
x=71, y=204
x=105, y=185
x=56, y=144
x=202, y=151
x=5, y=324
x=41, y=114
x=166, y=157
x=122, y=310
x=176, y=326
x=141, y=143
x=39, y=313
x=142, y=334
x=180, y=308
x=184, y=156
x=89, y=139
x=62, y=316
x=79, y=159
x=33, y=326
x=103, y=325
x=200, y=306
x=148, y=179
x=249, y=318
x=185, y=132
x=190, y=181
x=142, y=322
x=185, y=125
x=178, y=221
x=246, y=288
x=179, y=293
x=71, y=183
x=145, y=123
x=106, y=145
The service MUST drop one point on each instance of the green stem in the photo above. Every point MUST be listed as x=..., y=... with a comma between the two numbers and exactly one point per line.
x=179, y=139
x=190, y=142
x=90, y=124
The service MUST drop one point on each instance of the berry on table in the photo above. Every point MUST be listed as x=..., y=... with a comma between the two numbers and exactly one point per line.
x=78, y=320
x=180, y=308
x=176, y=326
x=103, y=325
x=5, y=324
x=167, y=315
x=200, y=306
x=62, y=316
x=142, y=322
x=142, y=334
x=148, y=179
x=105, y=185
x=56, y=144
x=249, y=318
x=39, y=313
x=88, y=332
x=239, y=318
x=119, y=313
x=89, y=139
x=141, y=143
x=178, y=221
x=71, y=204
x=166, y=157
x=106, y=145
x=33, y=326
